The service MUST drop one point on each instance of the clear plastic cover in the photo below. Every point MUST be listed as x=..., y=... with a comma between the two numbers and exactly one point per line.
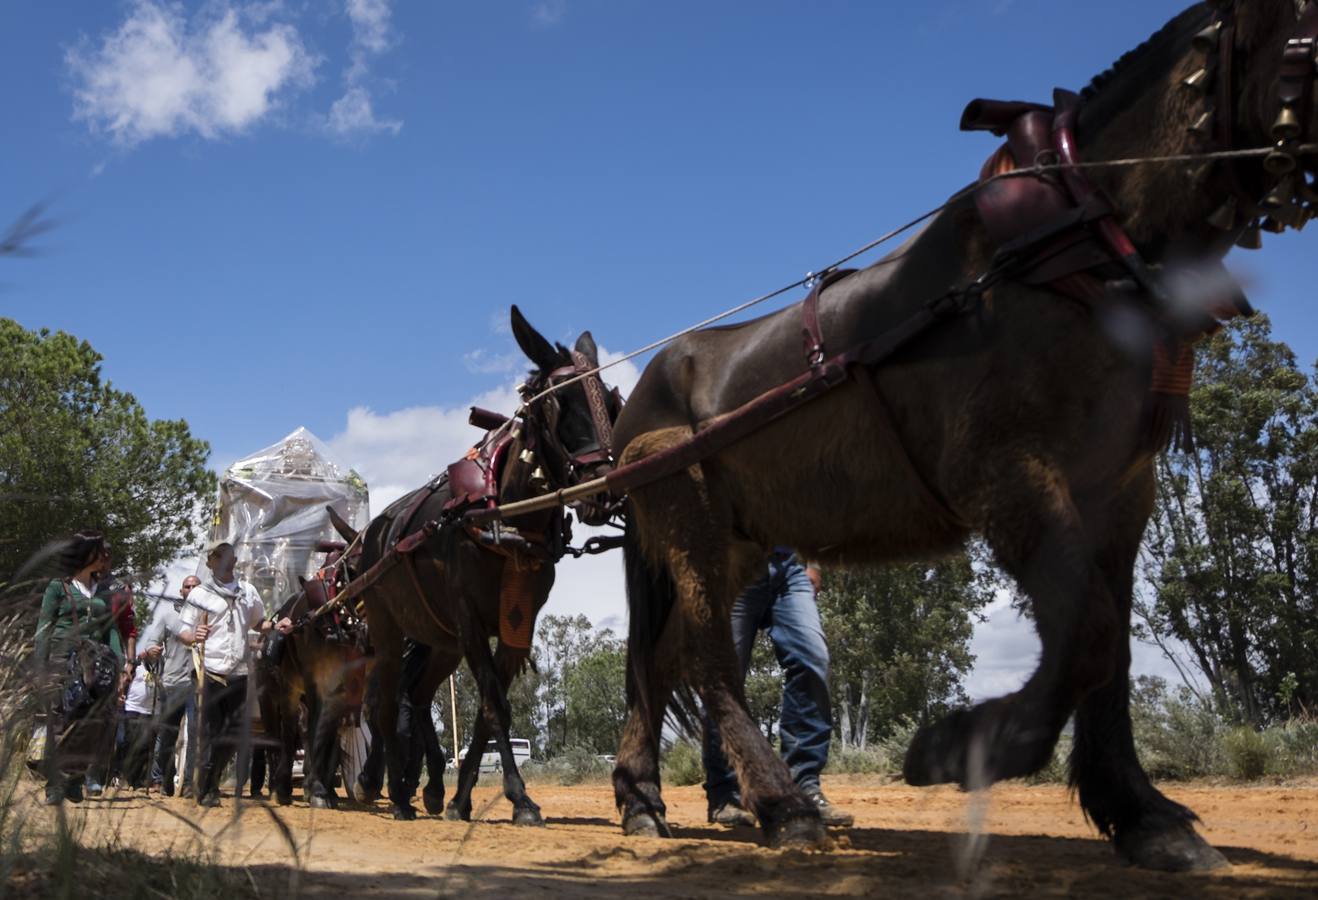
x=272, y=509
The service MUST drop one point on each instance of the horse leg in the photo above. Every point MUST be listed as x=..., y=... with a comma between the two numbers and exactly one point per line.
x=326, y=744
x=312, y=788
x=1039, y=538
x=498, y=715
x=1147, y=829
x=438, y=667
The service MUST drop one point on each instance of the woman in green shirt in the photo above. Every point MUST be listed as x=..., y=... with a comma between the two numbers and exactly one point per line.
x=69, y=613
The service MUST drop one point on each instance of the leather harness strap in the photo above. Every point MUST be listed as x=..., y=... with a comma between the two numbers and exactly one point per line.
x=599, y=407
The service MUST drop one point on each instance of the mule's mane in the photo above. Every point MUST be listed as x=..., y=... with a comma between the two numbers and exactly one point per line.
x=1186, y=22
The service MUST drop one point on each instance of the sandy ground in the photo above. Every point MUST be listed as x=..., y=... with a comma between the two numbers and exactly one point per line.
x=906, y=842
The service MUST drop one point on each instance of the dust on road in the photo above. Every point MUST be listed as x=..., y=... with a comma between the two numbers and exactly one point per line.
x=907, y=842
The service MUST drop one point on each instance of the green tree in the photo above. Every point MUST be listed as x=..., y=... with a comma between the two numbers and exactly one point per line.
x=595, y=685
x=899, y=641
x=1230, y=560
x=75, y=452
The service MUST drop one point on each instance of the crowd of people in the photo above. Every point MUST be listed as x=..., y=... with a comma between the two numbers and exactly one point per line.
x=115, y=700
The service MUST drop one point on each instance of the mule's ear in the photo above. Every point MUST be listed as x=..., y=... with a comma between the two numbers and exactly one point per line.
x=533, y=344
x=341, y=526
x=586, y=347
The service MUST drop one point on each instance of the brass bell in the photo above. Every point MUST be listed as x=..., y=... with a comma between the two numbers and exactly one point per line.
x=1198, y=80
x=1280, y=195
x=1291, y=215
x=1287, y=126
x=1224, y=217
x=1203, y=126
x=1272, y=226
x=1251, y=238
x=538, y=474
x=1207, y=40
x=526, y=456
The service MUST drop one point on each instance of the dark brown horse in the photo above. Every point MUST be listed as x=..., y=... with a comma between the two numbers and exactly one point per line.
x=464, y=586
x=322, y=667
x=1024, y=417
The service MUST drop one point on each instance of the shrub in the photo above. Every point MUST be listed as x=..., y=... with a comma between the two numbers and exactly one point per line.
x=1292, y=748
x=682, y=763
x=1058, y=769
x=855, y=761
x=575, y=765
x=1246, y=753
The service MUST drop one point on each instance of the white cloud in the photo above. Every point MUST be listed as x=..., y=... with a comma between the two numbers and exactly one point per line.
x=161, y=74
x=547, y=13
x=353, y=114
x=483, y=362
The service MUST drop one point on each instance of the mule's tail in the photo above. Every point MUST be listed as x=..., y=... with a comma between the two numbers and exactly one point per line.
x=651, y=605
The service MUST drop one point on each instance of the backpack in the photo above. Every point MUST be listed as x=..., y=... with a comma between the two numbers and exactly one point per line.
x=91, y=672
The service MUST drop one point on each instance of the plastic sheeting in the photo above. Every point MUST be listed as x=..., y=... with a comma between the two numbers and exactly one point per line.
x=272, y=509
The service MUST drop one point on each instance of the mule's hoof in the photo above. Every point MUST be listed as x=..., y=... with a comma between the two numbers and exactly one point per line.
x=798, y=831
x=434, y=803
x=1177, y=848
x=527, y=815
x=404, y=813
x=933, y=758
x=644, y=823
x=457, y=814
x=363, y=794
x=284, y=799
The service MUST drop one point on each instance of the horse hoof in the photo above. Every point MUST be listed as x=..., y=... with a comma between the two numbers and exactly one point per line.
x=457, y=814
x=404, y=813
x=284, y=799
x=644, y=823
x=434, y=803
x=1177, y=848
x=529, y=815
x=798, y=831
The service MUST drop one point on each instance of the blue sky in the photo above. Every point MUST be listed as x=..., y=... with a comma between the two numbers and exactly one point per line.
x=315, y=212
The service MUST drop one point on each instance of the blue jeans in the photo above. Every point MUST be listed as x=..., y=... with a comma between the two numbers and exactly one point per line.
x=783, y=605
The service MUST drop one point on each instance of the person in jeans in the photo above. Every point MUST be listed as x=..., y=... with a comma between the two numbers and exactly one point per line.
x=178, y=692
x=220, y=613
x=782, y=604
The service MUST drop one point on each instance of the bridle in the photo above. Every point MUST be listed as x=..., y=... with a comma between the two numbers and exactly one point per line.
x=593, y=455
x=1293, y=199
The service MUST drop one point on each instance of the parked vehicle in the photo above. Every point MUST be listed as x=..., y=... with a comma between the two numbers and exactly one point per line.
x=490, y=761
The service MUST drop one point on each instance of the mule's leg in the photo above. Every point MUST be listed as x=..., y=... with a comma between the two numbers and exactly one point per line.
x=1146, y=827
x=498, y=716
x=459, y=808
x=324, y=754
x=395, y=753
x=1038, y=536
x=371, y=778
x=432, y=796
x=699, y=576
x=312, y=788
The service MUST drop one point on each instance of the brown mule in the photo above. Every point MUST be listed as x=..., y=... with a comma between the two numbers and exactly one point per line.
x=1024, y=419
x=461, y=588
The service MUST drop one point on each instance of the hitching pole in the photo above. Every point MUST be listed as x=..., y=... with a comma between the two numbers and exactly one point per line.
x=453, y=716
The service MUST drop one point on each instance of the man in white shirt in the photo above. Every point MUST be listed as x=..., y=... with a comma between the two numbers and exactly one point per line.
x=166, y=654
x=220, y=612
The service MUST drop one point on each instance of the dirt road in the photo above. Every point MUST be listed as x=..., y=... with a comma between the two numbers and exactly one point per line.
x=906, y=843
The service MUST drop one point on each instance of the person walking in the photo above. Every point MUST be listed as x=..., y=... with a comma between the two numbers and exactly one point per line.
x=782, y=604
x=220, y=613
x=75, y=628
x=166, y=653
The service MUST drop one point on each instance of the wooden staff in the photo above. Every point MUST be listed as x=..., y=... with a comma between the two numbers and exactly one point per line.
x=199, y=661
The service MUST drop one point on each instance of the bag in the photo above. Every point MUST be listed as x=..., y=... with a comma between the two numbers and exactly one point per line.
x=91, y=672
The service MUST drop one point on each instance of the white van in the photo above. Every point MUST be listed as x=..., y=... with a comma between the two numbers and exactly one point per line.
x=490, y=761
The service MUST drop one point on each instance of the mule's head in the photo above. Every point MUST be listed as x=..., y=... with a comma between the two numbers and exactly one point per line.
x=1274, y=54
x=572, y=427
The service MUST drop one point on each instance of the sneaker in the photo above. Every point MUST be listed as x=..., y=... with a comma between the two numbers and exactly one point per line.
x=730, y=813
x=829, y=813
x=210, y=800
